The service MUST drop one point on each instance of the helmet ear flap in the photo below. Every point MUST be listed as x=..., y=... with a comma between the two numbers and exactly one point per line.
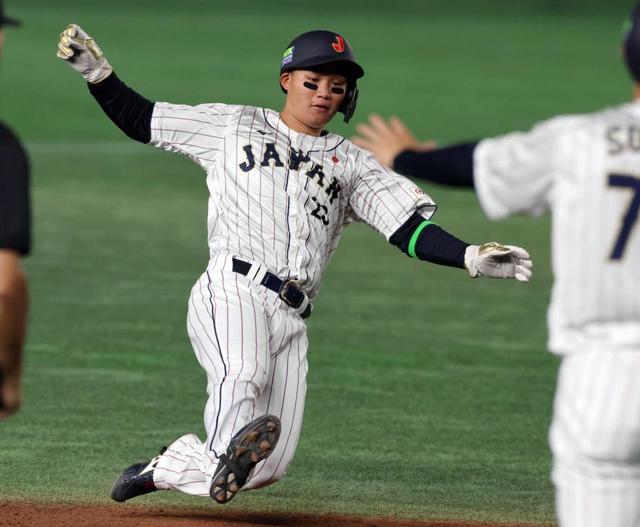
x=348, y=107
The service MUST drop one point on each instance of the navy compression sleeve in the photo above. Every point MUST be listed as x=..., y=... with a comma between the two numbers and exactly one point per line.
x=452, y=165
x=129, y=110
x=425, y=240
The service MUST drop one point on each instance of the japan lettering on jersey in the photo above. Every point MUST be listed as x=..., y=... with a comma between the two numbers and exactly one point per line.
x=279, y=197
x=586, y=170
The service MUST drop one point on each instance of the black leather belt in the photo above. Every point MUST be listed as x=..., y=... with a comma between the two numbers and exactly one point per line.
x=287, y=290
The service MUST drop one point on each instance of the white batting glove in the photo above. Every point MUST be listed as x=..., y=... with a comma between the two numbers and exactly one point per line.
x=498, y=261
x=81, y=52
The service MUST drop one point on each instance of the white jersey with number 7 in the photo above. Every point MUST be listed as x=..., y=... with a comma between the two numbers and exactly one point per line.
x=586, y=170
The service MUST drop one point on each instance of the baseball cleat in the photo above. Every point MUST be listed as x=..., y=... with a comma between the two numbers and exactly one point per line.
x=248, y=447
x=135, y=480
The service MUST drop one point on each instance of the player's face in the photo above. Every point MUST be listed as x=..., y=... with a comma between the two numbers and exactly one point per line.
x=312, y=99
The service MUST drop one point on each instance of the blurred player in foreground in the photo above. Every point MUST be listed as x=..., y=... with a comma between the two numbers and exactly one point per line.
x=14, y=242
x=282, y=190
x=585, y=169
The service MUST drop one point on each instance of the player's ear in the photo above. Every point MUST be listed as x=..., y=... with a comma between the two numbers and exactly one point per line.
x=285, y=80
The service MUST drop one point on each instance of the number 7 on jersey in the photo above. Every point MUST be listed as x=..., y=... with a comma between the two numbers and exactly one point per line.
x=633, y=183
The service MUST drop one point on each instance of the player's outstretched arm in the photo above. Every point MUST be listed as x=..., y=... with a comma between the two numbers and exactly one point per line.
x=126, y=108
x=381, y=199
x=423, y=239
x=395, y=147
x=82, y=53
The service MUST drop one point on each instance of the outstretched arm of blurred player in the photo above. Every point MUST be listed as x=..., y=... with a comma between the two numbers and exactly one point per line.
x=130, y=111
x=395, y=147
x=514, y=173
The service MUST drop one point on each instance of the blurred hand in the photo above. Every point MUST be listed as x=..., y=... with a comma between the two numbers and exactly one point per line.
x=81, y=52
x=386, y=139
x=498, y=261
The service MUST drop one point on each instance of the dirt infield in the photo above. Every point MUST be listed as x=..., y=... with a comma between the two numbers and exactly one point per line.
x=32, y=515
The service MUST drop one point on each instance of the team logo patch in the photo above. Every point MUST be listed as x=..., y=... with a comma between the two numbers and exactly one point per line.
x=338, y=45
x=287, y=57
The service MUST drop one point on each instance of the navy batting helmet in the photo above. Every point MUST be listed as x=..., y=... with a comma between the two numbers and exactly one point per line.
x=325, y=51
x=631, y=43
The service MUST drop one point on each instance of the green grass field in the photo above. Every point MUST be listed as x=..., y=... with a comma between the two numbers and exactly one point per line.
x=429, y=393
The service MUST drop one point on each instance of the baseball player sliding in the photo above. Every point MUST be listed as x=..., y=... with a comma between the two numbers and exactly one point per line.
x=586, y=170
x=282, y=190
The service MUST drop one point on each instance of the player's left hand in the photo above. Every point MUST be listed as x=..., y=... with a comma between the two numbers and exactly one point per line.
x=386, y=139
x=82, y=53
x=498, y=261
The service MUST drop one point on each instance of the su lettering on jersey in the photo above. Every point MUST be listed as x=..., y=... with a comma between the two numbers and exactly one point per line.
x=623, y=138
x=296, y=160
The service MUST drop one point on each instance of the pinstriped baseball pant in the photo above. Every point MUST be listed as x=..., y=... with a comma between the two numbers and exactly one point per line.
x=254, y=350
x=595, y=440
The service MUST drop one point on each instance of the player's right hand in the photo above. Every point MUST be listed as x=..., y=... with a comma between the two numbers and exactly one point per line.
x=81, y=52
x=386, y=139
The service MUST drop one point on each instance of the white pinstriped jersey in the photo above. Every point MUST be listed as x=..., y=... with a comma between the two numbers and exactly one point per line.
x=586, y=170
x=279, y=197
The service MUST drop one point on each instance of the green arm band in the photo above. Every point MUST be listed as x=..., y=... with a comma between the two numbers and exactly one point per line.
x=414, y=237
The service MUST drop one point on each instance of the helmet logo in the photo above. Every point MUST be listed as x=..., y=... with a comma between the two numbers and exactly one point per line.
x=338, y=45
x=287, y=57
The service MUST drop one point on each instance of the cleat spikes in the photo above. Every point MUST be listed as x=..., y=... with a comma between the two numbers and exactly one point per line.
x=247, y=448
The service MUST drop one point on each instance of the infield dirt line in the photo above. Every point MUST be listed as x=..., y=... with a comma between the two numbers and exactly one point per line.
x=25, y=514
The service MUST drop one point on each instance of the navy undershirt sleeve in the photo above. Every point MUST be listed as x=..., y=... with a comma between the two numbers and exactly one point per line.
x=129, y=110
x=452, y=165
x=433, y=244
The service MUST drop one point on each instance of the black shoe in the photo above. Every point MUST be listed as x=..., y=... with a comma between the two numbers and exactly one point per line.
x=248, y=447
x=136, y=480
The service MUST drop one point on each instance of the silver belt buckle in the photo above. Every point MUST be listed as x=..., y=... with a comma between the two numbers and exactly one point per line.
x=287, y=284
